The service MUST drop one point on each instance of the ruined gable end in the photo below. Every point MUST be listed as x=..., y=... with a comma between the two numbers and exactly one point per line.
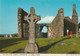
x=22, y=24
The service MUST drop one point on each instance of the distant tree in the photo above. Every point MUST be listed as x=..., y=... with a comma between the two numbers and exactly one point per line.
x=15, y=35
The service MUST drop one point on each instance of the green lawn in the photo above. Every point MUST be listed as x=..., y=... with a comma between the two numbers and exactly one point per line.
x=10, y=45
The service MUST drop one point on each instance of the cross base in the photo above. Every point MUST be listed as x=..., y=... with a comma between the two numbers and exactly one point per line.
x=77, y=35
x=31, y=48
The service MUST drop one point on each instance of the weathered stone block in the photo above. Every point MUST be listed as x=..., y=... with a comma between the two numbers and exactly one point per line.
x=31, y=48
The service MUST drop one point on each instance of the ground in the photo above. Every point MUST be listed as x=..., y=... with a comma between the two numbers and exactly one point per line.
x=46, y=45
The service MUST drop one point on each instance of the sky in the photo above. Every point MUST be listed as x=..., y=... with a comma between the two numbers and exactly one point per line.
x=47, y=9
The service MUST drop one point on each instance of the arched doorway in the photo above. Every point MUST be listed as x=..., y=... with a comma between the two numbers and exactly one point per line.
x=44, y=32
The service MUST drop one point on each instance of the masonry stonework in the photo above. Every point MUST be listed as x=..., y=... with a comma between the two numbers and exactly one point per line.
x=22, y=29
x=32, y=19
x=57, y=28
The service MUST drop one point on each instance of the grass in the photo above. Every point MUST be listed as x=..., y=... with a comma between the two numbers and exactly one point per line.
x=68, y=48
x=10, y=45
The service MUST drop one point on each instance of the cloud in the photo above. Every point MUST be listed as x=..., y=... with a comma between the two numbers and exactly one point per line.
x=78, y=19
x=70, y=17
x=47, y=19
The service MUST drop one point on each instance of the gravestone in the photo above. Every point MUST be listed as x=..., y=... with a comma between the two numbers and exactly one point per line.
x=10, y=35
x=32, y=18
x=79, y=30
x=73, y=43
x=6, y=35
x=61, y=44
x=50, y=41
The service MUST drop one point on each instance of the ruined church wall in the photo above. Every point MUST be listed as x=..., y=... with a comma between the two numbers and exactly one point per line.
x=50, y=32
x=21, y=23
x=20, y=26
x=38, y=32
x=68, y=24
x=57, y=26
x=39, y=28
x=75, y=18
x=26, y=29
x=56, y=29
x=60, y=24
x=71, y=24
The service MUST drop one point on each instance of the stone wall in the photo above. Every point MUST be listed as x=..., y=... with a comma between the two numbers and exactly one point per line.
x=78, y=26
x=22, y=25
x=68, y=24
x=75, y=18
x=71, y=24
x=39, y=28
x=56, y=29
x=60, y=23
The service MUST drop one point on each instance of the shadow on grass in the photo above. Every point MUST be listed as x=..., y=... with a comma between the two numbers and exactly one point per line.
x=73, y=52
x=45, y=48
x=8, y=42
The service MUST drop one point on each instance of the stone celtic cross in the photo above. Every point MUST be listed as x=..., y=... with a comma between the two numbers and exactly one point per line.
x=32, y=19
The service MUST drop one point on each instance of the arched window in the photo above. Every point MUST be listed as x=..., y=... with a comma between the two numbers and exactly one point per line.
x=44, y=30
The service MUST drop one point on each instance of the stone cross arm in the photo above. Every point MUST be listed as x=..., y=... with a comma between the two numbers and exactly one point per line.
x=37, y=18
x=28, y=19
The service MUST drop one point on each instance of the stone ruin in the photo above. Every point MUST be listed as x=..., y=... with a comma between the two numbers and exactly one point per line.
x=32, y=19
x=79, y=27
x=57, y=28
x=6, y=35
x=10, y=35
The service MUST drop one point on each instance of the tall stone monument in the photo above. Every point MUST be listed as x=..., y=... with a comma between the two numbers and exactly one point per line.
x=75, y=18
x=32, y=18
